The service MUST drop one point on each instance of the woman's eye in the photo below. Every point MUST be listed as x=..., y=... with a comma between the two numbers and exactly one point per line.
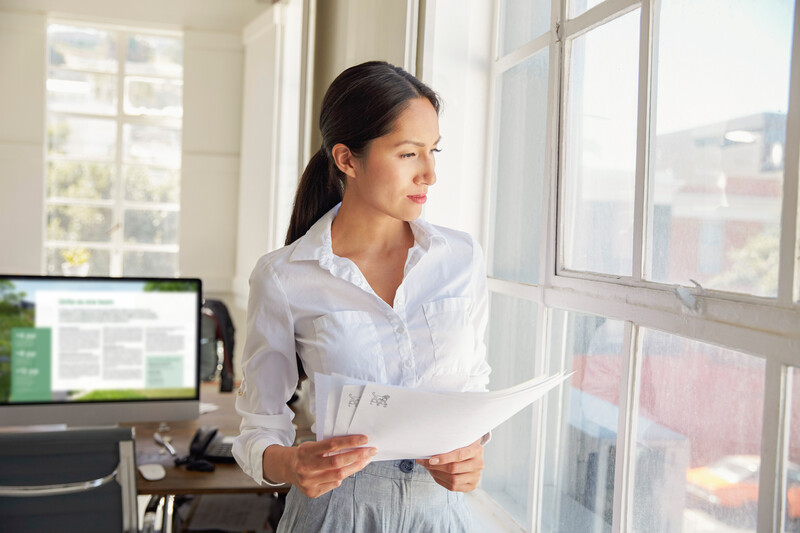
x=406, y=156
x=436, y=150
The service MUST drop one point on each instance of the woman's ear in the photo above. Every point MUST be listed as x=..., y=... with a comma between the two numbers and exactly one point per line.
x=344, y=159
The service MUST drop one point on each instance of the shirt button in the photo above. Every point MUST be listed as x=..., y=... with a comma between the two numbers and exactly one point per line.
x=399, y=329
x=406, y=465
x=408, y=363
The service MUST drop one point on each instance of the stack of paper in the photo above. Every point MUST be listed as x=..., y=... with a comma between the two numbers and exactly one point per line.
x=415, y=424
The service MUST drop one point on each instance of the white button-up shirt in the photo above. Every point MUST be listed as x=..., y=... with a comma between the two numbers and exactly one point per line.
x=306, y=300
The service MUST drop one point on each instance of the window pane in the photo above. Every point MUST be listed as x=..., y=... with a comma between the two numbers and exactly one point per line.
x=152, y=145
x=521, y=132
x=163, y=264
x=155, y=55
x=148, y=184
x=148, y=96
x=512, y=330
x=600, y=148
x=577, y=7
x=81, y=92
x=151, y=227
x=98, y=260
x=82, y=48
x=102, y=186
x=79, y=223
x=792, y=501
x=699, y=438
x=87, y=138
x=523, y=21
x=582, y=428
x=75, y=179
x=718, y=143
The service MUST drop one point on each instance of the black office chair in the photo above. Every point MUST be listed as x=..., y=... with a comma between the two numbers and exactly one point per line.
x=216, y=344
x=68, y=481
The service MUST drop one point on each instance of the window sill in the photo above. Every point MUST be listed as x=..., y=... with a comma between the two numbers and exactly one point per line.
x=489, y=516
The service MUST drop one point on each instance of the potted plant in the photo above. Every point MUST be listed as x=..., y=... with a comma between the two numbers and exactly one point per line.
x=76, y=261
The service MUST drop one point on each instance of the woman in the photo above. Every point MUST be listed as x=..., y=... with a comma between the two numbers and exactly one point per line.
x=365, y=289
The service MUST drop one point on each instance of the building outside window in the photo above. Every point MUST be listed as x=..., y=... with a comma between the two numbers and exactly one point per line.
x=113, y=158
x=643, y=234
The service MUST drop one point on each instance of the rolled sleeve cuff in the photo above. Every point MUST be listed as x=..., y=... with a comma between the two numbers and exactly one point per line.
x=257, y=433
x=250, y=457
x=257, y=460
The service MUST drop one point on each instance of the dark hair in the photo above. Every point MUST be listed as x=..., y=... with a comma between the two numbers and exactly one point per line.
x=361, y=104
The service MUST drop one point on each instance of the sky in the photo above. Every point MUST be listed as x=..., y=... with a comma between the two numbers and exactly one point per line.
x=720, y=59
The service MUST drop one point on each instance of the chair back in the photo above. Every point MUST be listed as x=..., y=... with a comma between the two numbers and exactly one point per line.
x=71, y=480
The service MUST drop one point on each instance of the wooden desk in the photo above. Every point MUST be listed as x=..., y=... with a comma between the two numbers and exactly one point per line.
x=227, y=478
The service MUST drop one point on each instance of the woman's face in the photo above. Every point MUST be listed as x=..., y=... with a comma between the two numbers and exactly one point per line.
x=393, y=175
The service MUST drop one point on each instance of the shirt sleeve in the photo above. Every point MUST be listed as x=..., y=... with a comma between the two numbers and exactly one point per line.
x=269, y=370
x=479, y=315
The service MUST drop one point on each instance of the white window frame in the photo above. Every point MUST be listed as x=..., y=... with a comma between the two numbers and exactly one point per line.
x=116, y=246
x=764, y=327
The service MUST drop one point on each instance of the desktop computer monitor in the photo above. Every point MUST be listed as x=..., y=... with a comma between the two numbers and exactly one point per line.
x=98, y=351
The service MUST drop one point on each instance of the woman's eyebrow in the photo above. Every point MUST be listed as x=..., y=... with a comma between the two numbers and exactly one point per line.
x=417, y=143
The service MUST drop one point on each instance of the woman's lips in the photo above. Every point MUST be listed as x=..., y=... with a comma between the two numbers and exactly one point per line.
x=418, y=198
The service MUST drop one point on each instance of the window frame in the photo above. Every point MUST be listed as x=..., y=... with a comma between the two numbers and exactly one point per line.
x=116, y=246
x=762, y=326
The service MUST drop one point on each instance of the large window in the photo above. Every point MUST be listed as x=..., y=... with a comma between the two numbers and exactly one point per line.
x=113, y=160
x=644, y=235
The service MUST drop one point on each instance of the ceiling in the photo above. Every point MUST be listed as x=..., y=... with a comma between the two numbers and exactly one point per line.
x=213, y=15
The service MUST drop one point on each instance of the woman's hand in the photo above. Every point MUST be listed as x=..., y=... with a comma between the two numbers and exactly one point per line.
x=459, y=470
x=318, y=467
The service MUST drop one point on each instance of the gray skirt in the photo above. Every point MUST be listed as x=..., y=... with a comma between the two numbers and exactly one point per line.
x=389, y=496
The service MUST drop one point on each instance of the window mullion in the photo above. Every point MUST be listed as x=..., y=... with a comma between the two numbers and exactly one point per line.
x=119, y=229
x=641, y=206
x=558, y=202
x=519, y=55
x=490, y=185
x=626, y=431
x=774, y=442
x=539, y=438
x=549, y=244
x=597, y=16
x=788, y=282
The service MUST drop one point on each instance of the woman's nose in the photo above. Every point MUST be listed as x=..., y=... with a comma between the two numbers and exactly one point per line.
x=427, y=173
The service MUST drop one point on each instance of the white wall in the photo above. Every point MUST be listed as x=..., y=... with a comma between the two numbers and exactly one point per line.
x=259, y=129
x=22, y=87
x=349, y=32
x=212, y=106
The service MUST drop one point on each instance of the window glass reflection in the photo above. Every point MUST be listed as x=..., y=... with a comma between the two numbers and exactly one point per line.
x=582, y=426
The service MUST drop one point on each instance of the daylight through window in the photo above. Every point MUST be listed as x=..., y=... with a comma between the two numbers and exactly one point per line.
x=113, y=161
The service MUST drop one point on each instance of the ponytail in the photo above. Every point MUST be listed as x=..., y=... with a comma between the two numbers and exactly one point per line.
x=321, y=187
x=360, y=105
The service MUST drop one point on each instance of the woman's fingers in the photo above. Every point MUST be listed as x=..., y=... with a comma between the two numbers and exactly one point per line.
x=458, y=455
x=461, y=467
x=321, y=466
x=335, y=452
x=457, y=482
x=459, y=470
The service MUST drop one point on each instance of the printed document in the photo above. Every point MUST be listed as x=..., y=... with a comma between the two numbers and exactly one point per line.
x=407, y=423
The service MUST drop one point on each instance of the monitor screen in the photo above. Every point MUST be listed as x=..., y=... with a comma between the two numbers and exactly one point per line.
x=92, y=351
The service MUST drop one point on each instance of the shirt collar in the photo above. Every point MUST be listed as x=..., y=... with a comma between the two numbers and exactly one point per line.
x=316, y=243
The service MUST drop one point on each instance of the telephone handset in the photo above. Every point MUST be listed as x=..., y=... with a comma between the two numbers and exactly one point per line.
x=207, y=446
